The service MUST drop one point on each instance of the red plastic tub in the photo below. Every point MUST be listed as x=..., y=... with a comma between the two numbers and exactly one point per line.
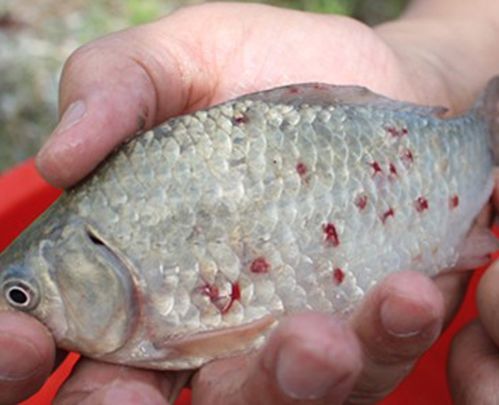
x=25, y=195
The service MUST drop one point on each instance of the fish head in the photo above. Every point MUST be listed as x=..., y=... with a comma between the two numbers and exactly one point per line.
x=62, y=273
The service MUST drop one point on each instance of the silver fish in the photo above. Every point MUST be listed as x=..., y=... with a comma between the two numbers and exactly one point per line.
x=191, y=241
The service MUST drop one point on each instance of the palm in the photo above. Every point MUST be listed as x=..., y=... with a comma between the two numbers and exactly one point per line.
x=263, y=47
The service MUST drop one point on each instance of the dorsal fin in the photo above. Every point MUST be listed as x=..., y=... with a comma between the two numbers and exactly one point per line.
x=327, y=94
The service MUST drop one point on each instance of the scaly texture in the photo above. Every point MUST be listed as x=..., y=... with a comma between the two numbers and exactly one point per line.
x=298, y=198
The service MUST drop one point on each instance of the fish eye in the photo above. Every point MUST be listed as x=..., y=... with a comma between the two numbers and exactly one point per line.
x=20, y=295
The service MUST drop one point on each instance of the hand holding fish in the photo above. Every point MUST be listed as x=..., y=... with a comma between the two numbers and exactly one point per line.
x=136, y=79
x=473, y=367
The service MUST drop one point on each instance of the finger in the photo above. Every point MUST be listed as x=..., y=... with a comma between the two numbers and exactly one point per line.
x=27, y=354
x=474, y=367
x=93, y=382
x=116, y=86
x=396, y=324
x=488, y=301
x=495, y=193
x=453, y=286
x=309, y=357
x=137, y=78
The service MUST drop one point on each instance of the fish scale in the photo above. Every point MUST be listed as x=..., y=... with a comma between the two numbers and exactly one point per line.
x=208, y=229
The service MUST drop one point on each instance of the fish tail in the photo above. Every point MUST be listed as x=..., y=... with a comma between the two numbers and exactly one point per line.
x=488, y=106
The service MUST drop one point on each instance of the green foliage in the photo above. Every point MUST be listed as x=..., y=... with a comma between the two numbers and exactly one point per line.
x=97, y=18
x=345, y=7
x=139, y=11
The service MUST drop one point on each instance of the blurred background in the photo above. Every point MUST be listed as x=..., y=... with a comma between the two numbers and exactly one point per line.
x=36, y=36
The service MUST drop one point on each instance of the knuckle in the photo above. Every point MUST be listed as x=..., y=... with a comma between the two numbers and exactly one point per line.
x=77, y=58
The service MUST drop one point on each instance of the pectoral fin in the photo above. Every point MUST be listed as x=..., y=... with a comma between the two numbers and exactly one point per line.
x=220, y=343
x=477, y=248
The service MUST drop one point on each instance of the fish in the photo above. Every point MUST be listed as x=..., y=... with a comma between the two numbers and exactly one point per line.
x=192, y=241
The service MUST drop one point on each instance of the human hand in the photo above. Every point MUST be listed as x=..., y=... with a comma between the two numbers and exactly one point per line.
x=474, y=358
x=136, y=79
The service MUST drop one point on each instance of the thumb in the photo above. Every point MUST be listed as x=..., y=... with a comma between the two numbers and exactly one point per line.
x=115, y=86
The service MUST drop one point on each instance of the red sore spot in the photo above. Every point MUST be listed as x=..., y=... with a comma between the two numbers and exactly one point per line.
x=421, y=204
x=301, y=169
x=338, y=276
x=397, y=132
x=236, y=292
x=389, y=213
x=241, y=119
x=294, y=90
x=407, y=157
x=211, y=291
x=376, y=167
x=235, y=295
x=454, y=201
x=331, y=236
x=260, y=265
x=393, y=169
x=361, y=201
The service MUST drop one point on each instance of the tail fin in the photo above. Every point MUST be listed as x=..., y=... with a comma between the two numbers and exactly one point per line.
x=488, y=106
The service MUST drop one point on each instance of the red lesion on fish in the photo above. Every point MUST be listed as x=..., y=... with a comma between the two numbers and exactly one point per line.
x=338, y=276
x=222, y=302
x=235, y=295
x=397, y=132
x=211, y=291
x=454, y=201
x=301, y=169
x=407, y=157
x=361, y=201
x=387, y=214
x=240, y=119
x=330, y=234
x=393, y=170
x=376, y=168
x=421, y=204
x=260, y=265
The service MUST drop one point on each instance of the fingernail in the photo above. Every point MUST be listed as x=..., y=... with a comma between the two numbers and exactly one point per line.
x=303, y=374
x=19, y=358
x=131, y=394
x=404, y=318
x=72, y=115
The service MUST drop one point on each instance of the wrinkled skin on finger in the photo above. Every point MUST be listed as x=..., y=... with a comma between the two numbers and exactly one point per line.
x=27, y=354
x=474, y=367
x=474, y=359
